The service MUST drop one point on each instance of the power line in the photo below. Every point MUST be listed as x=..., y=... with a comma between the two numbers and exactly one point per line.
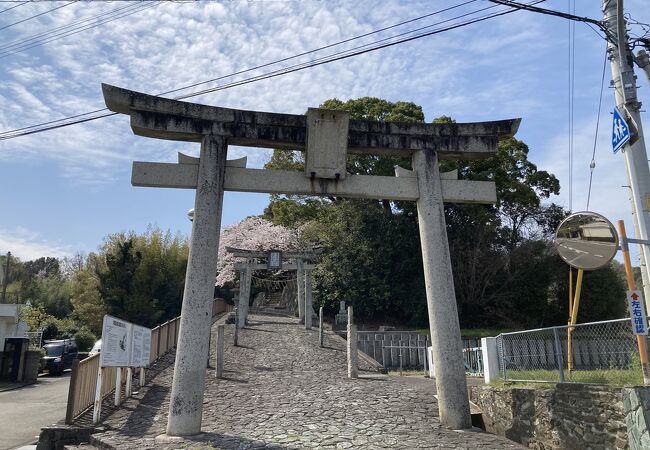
x=325, y=47
x=571, y=91
x=81, y=118
x=58, y=121
x=22, y=44
x=551, y=12
x=592, y=165
x=38, y=15
x=71, y=29
x=13, y=7
x=351, y=52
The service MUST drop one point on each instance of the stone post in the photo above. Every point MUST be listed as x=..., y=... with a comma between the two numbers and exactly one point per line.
x=245, y=277
x=235, y=337
x=490, y=356
x=219, y=351
x=186, y=400
x=129, y=381
x=453, y=402
x=300, y=286
x=320, y=326
x=118, y=386
x=309, y=308
x=353, y=356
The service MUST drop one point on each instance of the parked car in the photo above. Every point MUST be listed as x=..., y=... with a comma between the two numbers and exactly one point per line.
x=59, y=355
x=96, y=348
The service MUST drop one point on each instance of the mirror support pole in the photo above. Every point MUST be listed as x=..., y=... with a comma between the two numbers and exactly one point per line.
x=570, y=292
x=573, y=319
x=631, y=285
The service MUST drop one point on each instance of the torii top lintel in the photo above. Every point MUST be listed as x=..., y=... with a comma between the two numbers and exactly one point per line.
x=162, y=118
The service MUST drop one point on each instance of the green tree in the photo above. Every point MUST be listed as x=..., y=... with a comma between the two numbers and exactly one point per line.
x=116, y=282
x=34, y=316
x=504, y=265
x=87, y=303
x=141, y=277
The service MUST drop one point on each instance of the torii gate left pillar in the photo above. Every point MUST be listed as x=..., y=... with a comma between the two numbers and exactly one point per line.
x=331, y=136
x=186, y=405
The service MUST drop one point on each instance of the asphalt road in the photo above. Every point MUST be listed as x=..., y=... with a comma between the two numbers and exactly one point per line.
x=587, y=254
x=25, y=410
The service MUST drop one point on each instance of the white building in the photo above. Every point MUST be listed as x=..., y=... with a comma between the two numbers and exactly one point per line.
x=9, y=322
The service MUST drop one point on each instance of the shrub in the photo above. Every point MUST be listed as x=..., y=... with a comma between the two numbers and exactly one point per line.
x=84, y=339
x=50, y=329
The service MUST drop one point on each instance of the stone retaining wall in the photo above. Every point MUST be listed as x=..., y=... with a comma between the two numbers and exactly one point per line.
x=636, y=401
x=32, y=362
x=569, y=416
x=56, y=437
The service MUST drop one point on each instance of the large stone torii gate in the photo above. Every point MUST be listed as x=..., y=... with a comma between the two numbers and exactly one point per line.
x=326, y=137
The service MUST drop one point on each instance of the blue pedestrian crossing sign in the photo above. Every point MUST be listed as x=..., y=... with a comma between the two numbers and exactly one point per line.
x=620, y=131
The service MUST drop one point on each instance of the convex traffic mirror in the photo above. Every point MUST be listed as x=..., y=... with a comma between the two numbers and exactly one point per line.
x=586, y=240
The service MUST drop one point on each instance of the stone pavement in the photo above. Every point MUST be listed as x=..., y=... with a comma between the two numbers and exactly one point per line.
x=282, y=391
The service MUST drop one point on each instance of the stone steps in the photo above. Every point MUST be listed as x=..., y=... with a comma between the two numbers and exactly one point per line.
x=80, y=447
x=279, y=312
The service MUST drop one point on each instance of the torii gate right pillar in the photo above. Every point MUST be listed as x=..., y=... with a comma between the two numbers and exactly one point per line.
x=451, y=384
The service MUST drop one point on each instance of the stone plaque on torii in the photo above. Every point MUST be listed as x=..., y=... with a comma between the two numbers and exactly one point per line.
x=326, y=137
x=303, y=279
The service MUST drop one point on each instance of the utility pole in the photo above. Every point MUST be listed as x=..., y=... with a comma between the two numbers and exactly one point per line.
x=634, y=152
x=6, y=278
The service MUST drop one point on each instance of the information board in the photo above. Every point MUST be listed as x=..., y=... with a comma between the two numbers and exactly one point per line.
x=116, y=342
x=141, y=346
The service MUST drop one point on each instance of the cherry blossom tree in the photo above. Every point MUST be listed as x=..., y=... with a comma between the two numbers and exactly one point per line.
x=252, y=233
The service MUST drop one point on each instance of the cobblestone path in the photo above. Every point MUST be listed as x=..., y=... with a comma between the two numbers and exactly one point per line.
x=282, y=391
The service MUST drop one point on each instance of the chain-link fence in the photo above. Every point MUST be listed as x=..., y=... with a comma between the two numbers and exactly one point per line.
x=598, y=352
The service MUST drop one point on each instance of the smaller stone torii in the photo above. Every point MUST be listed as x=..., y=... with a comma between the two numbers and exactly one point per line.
x=326, y=137
x=303, y=279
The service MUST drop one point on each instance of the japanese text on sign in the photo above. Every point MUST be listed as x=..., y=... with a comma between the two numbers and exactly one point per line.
x=124, y=344
x=141, y=346
x=637, y=312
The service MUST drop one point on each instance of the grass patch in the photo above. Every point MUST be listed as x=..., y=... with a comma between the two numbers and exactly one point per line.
x=615, y=377
x=520, y=384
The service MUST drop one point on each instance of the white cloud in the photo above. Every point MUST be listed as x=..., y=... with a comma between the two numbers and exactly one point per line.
x=486, y=71
x=27, y=245
x=175, y=44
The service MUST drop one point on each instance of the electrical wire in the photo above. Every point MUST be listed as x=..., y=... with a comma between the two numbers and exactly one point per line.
x=38, y=15
x=60, y=123
x=19, y=43
x=69, y=30
x=571, y=90
x=255, y=67
x=592, y=165
x=551, y=12
x=355, y=51
x=13, y=7
x=325, y=47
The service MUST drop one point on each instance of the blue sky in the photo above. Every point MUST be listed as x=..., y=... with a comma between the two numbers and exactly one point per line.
x=63, y=191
